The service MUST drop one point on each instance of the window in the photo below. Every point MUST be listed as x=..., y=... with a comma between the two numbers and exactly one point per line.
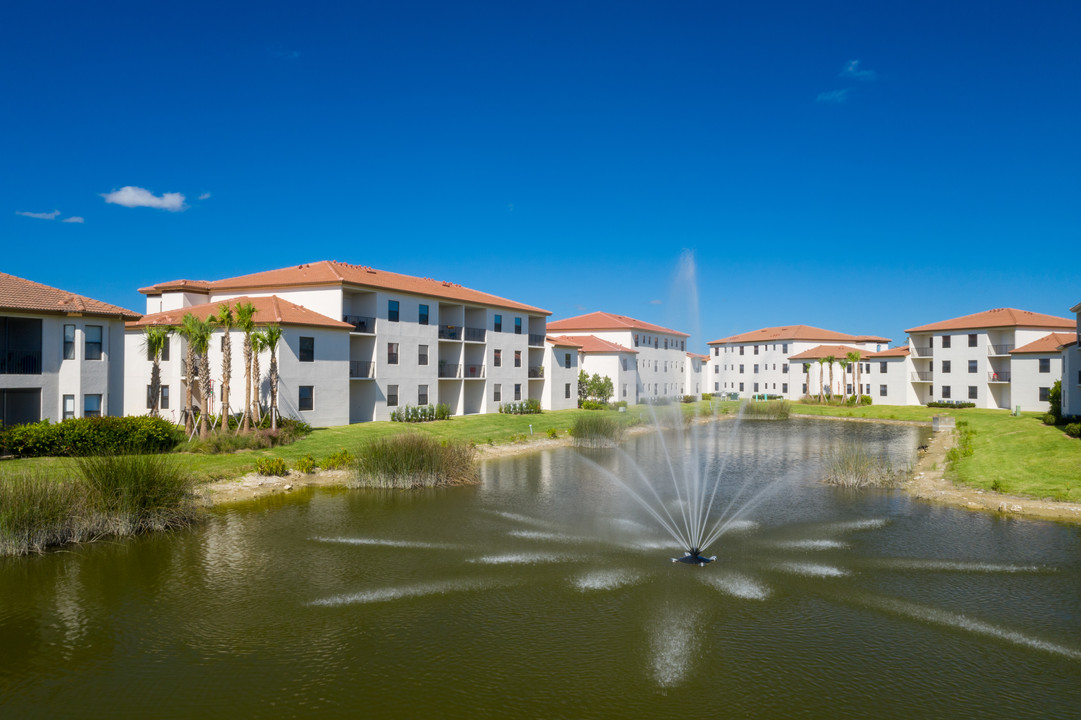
x=497, y=324
x=422, y=354
x=784, y=368
x=756, y=368
x=716, y=369
x=392, y=353
x=755, y=349
x=741, y=387
x=149, y=397
x=422, y=394
x=972, y=340
x=946, y=392
x=567, y=360
x=92, y=405
x=883, y=366
x=422, y=317
x=306, y=397
x=517, y=326
x=307, y=349
x=741, y=369
x=624, y=390
x=517, y=391
x=93, y=344
x=623, y=362
x=973, y=393
x=945, y=341
x=1044, y=394
x=717, y=351
x=567, y=390
x=945, y=366
x=69, y=348
x=882, y=391
x=517, y=358
x=784, y=348
x=740, y=349
x=666, y=343
x=392, y=396
x=972, y=365
x=804, y=388
x=784, y=387
x=165, y=349
x=716, y=387
x=497, y=358
x=756, y=387
x=497, y=392
x=1045, y=365
x=69, y=406
x=164, y=405
x=392, y=310
x=636, y=339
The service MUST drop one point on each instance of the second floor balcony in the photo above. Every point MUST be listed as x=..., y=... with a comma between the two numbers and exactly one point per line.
x=922, y=377
x=450, y=332
x=20, y=362
x=361, y=369
x=998, y=377
x=475, y=334
x=447, y=371
x=924, y=351
x=472, y=371
x=536, y=371
x=361, y=323
x=999, y=349
x=536, y=340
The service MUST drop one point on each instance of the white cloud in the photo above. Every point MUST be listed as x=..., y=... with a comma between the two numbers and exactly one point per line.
x=130, y=196
x=852, y=71
x=73, y=219
x=654, y=302
x=40, y=216
x=204, y=196
x=287, y=54
x=833, y=96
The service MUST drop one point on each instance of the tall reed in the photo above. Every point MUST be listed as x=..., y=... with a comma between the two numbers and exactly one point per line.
x=414, y=460
x=597, y=430
x=768, y=410
x=850, y=465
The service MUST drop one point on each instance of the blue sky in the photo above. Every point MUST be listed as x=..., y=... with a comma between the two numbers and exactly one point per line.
x=863, y=167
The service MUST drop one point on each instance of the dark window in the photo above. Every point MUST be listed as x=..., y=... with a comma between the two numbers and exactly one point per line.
x=517, y=358
x=945, y=341
x=756, y=368
x=306, y=397
x=165, y=349
x=422, y=394
x=497, y=358
x=164, y=398
x=392, y=395
x=69, y=343
x=1044, y=394
x=19, y=405
x=623, y=361
x=755, y=349
x=93, y=344
x=422, y=318
x=882, y=391
x=784, y=387
x=741, y=387
x=972, y=340
x=784, y=348
x=756, y=387
x=716, y=387
x=567, y=359
x=946, y=392
x=567, y=390
x=91, y=405
x=636, y=339
x=422, y=355
x=741, y=368
x=972, y=365
x=945, y=366
x=517, y=391
x=497, y=393
x=740, y=349
x=392, y=353
x=972, y=392
x=624, y=390
x=307, y=349
x=1045, y=365
x=804, y=388
x=517, y=326
x=883, y=366
x=784, y=367
x=392, y=311
x=498, y=323
x=69, y=407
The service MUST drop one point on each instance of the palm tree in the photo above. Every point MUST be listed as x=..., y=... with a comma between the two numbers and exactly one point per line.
x=854, y=357
x=199, y=342
x=245, y=314
x=807, y=372
x=189, y=327
x=821, y=379
x=843, y=362
x=155, y=338
x=830, y=359
x=257, y=382
x=269, y=338
x=226, y=321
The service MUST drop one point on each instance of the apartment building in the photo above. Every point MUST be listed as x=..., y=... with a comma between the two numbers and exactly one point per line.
x=695, y=374
x=972, y=359
x=61, y=354
x=407, y=340
x=1071, y=370
x=645, y=361
x=761, y=362
x=561, y=363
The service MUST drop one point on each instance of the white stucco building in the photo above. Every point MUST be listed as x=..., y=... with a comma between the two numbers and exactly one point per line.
x=61, y=354
x=1071, y=371
x=695, y=375
x=561, y=365
x=644, y=361
x=387, y=340
x=972, y=358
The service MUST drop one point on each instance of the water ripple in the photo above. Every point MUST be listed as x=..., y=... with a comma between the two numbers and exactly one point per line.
x=385, y=543
x=521, y=559
x=405, y=591
x=606, y=580
x=811, y=569
x=737, y=585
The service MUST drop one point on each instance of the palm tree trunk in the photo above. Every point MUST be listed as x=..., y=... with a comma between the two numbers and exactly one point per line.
x=831, y=380
x=189, y=359
x=226, y=373
x=273, y=391
x=245, y=422
x=821, y=382
x=256, y=409
x=204, y=389
x=155, y=386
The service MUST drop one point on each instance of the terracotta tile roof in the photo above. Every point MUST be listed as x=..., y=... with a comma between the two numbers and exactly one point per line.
x=593, y=344
x=189, y=285
x=696, y=355
x=328, y=272
x=608, y=321
x=1049, y=343
x=564, y=341
x=839, y=352
x=29, y=296
x=268, y=309
x=805, y=333
x=997, y=318
x=901, y=351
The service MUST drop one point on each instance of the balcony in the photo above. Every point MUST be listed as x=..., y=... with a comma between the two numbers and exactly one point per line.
x=473, y=371
x=998, y=377
x=536, y=340
x=921, y=376
x=361, y=323
x=361, y=369
x=20, y=362
x=450, y=332
x=449, y=371
x=474, y=334
x=923, y=352
x=999, y=349
x=536, y=371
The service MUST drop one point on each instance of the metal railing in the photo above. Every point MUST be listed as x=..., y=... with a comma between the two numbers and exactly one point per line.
x=923, y=352
x=361, y=369
x=536, y=371
x=20, y=362
x=450, y=332
x=999, y=349
x=922, y=376
x=536, y=340
x=473, y=371
x=450, y=371
x=361, y=323
x=998, y=377
x=475, y=334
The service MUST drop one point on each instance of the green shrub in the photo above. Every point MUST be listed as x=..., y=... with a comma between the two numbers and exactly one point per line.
x=768, y=410
x=866, y=400
x=593, y=405
x=1073, y=430
x=305, y=465
x=707, y=396
x=1049, y=419
x=421, y=413
x=688, y=399
x=852, y=466
x=597, y=430
x=414, y=460
x=83, y=436
x=553, y=433
x=620, y=404
x=955, y=405
x=136, y=493
x=37, y=511
x=525, y=407
x=335, y=461
x=271, y=466
x=1054, y=400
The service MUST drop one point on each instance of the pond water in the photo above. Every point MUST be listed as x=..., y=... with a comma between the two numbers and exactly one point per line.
x=546, y=592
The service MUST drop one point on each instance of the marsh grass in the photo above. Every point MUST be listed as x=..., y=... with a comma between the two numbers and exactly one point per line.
x=414, y=460
x=768, y=410
x=597, y=430
x=850, y=465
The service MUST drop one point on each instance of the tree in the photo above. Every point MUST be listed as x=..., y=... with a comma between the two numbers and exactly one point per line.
x=583, y=387
x=270, y=337
x=226, y=321
x=830, y=360
x=155, y=339
x=821, y=379
x=854, y=358
x=843, y=362
x=199, y=332
x=245, y=320
x=189, y=325
x=257, y=380
x=601, y=388
x=1054, y=399
x=807, y=372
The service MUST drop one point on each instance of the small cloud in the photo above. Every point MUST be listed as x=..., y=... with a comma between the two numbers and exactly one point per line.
x=40, y=216
x=287, y=54
x=204, y=196
x=510, y=207
x=73, y=219
x=655, y=302
x=835, y=97
x=130, y=196
x=852, y=71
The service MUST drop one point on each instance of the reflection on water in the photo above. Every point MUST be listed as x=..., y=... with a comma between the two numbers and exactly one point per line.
x=545, y=591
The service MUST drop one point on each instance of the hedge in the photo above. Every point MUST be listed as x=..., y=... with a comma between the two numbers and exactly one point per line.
x=90, y=436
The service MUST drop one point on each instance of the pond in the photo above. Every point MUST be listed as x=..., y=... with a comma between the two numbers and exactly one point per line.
x=546, y=591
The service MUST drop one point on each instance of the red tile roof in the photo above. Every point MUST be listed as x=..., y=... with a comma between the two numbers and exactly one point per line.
x=696, y=355
x=268, y=309
x=593, y=344
x=201, y=286
x=997, y=318
x=564, y=341
x=328, y=272
x=901, y=351
x=839, y=352
x=804, y=333
x=1049, y=343
x=608, y=321
x=29, y=296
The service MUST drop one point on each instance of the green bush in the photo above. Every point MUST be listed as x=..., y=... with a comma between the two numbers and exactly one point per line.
x=342, y=458
x=1049, y=419
x=688, y=399
x=768, y=410
x=1073, y=430
x=707, y=396
x=271, y=466
x=593, y=405
x=414, y=460
x=620, y=404
x=305, y=465
x=83, y=436
x=422, y=413
x=866, y=400
x=525, y=407
x=1054, y=400
x=954, y=405
x=553, y=433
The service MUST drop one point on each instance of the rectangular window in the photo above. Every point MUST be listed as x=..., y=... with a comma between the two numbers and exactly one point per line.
x=784, y=387
x=882, y=391
x=69, y=347
x=1045, y=365
x=973, y=393
x=497, y=358
x=422, y=394
x=517, y=326
x=741, y=387
x=517, y=391
x=422, y=354
x=756, y=368
x=307, y=349
x=946, y=392
x=883, y=366
x=392, y=310
x=498, y=325
x=69, y=407
x=1044, y=392
x=392, y=396
x=497, y=392
x=741, y=369
x=636, y=339
x=756, y=387
x=740, y=349
x=972, y=365
x=517, y=358
x=945, y=366
x=91, y=405
x=972, y=340
x=149, y=397
x=784, y=367
x=392, y=353
x=306, y=397
x=945, y=341
x=624, y=390
x=784, y=348
x=716, y=387
x=165, y=349
x=755, y=349
x=567, y=391
x=567, y=360
x=93, y=343
x=422, y=317
x=164, y=405
x=716, y=369
x=623, y=362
